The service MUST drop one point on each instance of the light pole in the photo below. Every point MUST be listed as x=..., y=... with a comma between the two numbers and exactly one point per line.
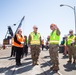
x=74, y=13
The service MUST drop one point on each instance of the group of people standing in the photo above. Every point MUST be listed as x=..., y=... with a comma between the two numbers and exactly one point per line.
x=34, y=42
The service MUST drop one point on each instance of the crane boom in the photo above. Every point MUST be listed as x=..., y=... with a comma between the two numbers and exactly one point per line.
x=7, y=38
x=20, y=24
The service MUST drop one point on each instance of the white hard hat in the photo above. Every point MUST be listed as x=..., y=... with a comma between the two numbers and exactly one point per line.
x=19, y=29
x=70, y=30
x=35, y=26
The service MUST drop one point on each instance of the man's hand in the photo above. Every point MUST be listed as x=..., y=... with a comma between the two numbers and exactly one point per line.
x=55, y=27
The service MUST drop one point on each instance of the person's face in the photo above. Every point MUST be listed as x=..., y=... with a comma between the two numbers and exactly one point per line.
x=71, y=33
x=35, y=29
x=52, y=27
x=20, y=32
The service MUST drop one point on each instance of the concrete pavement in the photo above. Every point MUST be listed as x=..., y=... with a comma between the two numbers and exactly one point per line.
x=8, y=67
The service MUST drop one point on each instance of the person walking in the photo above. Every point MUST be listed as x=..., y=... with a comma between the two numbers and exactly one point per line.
x=34, y=42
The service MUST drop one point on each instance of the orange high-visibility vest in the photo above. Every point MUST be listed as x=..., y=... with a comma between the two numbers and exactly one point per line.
x=20, y=39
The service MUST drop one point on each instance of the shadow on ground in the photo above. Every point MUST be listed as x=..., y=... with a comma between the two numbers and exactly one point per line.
x=70, y=67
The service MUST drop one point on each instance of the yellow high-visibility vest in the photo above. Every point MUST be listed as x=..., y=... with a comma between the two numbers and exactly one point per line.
x=35, y=38
x=70, y=39
x=54, y=38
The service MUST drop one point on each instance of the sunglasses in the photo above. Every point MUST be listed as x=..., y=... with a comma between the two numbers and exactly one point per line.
x=36, y=28
x=20, y=31
x=70, y=32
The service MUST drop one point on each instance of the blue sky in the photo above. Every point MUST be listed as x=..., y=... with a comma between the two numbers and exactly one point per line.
x=37, y=12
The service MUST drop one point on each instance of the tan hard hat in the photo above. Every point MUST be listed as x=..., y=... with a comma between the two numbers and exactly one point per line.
x=52, y=25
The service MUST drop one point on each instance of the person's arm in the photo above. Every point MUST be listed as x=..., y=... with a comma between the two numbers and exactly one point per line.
x=58, y=32
x=29, y=40
x=40, y=41
x=48, y=38
x=15, y=39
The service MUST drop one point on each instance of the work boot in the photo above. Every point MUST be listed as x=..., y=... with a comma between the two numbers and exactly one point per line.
x=51, y=68
x=69, y=61
x=33, y=63
x=36, y=63
x=56, y=68
x=18, y=64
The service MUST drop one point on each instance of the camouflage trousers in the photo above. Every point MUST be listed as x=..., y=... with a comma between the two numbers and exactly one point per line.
x=70, y=52
x=53, y=51
x=35, y=50
x=74, y=51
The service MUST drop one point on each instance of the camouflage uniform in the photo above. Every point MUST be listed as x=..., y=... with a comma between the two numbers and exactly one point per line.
x=70, y=48
x=70, y=52
x=35, y=50
x=53, y=51
x=74, y=50
x=74, y=53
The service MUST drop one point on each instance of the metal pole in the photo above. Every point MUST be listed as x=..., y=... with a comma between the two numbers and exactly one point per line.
x=74, y=13
x=75, y=19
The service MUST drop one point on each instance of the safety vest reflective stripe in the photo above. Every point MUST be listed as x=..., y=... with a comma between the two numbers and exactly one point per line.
x=70, y=39
x=35, y=38
x=20, y=39
x=54, y=41
x=35, y=42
